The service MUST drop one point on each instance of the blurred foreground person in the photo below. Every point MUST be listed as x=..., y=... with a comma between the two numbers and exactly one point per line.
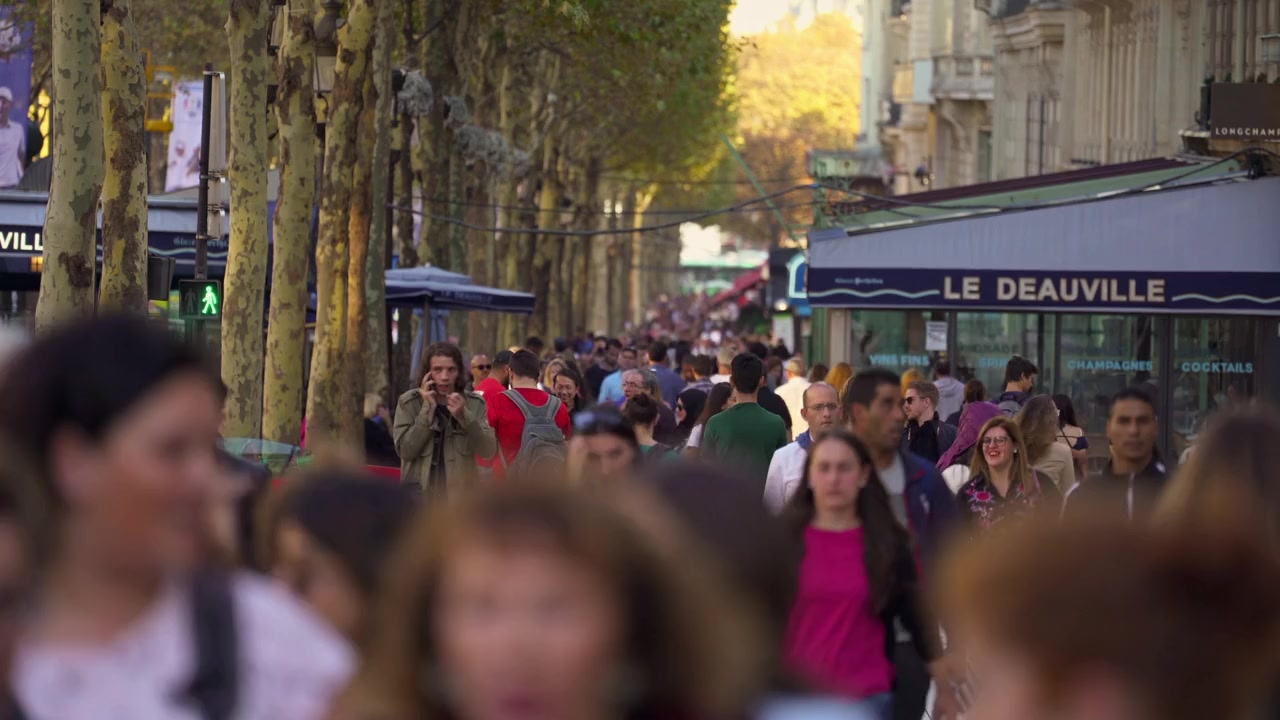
x=20, y=521
x=334, y=532
x=1110, y=621
x=540, y=601
x=132, y=620
x=858, y=582
x=1231, y=477
x=604, y=445
x=761, y=564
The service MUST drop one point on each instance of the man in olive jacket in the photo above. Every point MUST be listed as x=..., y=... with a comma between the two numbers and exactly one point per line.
x=440, y=428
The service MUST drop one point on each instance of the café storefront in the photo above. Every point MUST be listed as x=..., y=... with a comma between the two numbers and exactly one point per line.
x=1176, y=287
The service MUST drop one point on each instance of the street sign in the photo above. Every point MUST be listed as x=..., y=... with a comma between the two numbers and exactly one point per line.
x=199, y=299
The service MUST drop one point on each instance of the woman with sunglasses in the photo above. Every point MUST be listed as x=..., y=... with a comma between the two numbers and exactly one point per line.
x=603, y=445
x=688, y=407
x=1002, y=486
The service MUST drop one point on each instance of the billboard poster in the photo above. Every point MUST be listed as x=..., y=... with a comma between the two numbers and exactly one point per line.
x=15, y=100
x=183, y=167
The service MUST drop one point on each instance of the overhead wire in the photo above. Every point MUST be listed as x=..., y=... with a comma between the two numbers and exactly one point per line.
x=894, y=201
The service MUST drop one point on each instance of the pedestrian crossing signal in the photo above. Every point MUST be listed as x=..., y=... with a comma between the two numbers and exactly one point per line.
x=199, y=299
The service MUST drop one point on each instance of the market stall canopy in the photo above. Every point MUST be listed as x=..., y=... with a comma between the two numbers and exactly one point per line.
x=1204, y=248
x=446, y=290
x=742, y=284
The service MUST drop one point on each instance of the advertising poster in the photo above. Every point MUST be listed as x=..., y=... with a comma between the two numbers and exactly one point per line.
x=183, y=167
x=15, y=100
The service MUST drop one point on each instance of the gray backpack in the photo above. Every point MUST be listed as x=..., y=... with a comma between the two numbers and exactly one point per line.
x=542, y=445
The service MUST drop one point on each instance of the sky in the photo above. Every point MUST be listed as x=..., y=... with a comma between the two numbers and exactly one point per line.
x=751, y=17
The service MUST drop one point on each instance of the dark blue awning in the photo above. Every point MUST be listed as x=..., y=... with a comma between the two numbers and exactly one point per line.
x=1203, y=249
x=453, y=296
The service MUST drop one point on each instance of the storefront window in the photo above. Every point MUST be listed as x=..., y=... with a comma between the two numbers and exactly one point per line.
x=985, y=342
x=1214, y=363
x=1102, y=355
x=892, y=339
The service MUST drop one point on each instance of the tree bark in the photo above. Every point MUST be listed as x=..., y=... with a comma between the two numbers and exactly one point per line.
x=358, y=267
x=433, y=146
x=124, y=189
x=71, y=222
x=326, y=391
x=287, y=316
x=377, y=379
x=246, y=276
x=546, y=265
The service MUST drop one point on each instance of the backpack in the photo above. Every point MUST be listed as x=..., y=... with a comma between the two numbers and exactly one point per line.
x=542, y=444
x=1009, y=405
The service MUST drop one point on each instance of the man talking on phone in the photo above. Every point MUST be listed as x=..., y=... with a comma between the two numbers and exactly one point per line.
x=440, y=428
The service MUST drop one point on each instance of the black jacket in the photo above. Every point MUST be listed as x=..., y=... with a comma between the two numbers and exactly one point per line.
x=1132, y=496
x=929, y=440
x=907, y=607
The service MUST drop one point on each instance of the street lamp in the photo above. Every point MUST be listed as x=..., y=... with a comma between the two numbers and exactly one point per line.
x=327, y=45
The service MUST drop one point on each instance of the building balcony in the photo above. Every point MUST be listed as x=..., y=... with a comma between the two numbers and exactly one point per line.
x=963, y=77
x=903, y=83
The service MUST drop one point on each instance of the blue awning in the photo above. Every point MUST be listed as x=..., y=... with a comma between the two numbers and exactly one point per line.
x=455, y=295
x=1205, y=249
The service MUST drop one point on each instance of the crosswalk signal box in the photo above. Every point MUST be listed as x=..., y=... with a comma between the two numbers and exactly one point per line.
x=200, y=299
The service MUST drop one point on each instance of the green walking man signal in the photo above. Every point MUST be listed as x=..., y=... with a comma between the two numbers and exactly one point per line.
x=199, y=299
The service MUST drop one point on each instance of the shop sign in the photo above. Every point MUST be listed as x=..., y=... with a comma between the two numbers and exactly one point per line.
x=24, y=241
x=1245, y=111
x=1170, y=292
x=1216, y=367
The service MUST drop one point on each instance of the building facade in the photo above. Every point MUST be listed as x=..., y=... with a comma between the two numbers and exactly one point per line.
x=1089, y=82
x=931, y=70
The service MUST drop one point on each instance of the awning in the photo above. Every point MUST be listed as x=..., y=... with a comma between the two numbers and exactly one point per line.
x=741, y=284
x=1206, y=248
x=446, y=290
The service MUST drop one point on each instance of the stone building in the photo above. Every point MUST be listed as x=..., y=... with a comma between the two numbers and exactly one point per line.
x=1090, y=82
x=936, y=129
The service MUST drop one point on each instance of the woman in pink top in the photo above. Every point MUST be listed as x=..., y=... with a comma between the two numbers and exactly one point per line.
x=857, y=577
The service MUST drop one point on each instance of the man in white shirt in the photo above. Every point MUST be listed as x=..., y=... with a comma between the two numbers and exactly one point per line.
x=13, y=142
x=822, y=412
x=792, y=393
x=724, y=361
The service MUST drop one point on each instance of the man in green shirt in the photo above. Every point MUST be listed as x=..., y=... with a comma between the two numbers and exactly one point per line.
x=746, y=435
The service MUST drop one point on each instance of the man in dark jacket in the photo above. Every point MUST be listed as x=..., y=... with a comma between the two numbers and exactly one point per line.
x=1134, y=476
x=925, y=434
x=873, y=409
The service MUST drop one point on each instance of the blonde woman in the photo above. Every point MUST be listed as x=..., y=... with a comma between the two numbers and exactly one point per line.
x=1002, y=486
x=839, y=377
x=1038, y=421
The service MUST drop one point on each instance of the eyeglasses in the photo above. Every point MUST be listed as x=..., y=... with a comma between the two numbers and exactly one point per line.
x=826, y=407
x=909, y=401
x=481, y=367
x=997, y=440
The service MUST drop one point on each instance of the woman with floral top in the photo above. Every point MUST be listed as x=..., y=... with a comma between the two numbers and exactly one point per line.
x=1002, y=486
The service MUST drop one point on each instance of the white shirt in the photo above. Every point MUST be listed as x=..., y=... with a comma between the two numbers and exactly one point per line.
x=695, y=437
x=718, y=378
x=13, y=150
x=792, y=393
x=292, y=665
x=786, y=470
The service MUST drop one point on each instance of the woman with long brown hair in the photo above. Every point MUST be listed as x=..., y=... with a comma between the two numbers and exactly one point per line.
x=531, y=600
x=1038, y=421
x=1002, y=485
x=857, y=580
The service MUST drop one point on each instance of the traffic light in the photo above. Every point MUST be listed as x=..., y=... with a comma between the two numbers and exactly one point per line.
x=199, y=299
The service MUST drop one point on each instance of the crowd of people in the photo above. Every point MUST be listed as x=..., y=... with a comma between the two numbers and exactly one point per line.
x=687, y=537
